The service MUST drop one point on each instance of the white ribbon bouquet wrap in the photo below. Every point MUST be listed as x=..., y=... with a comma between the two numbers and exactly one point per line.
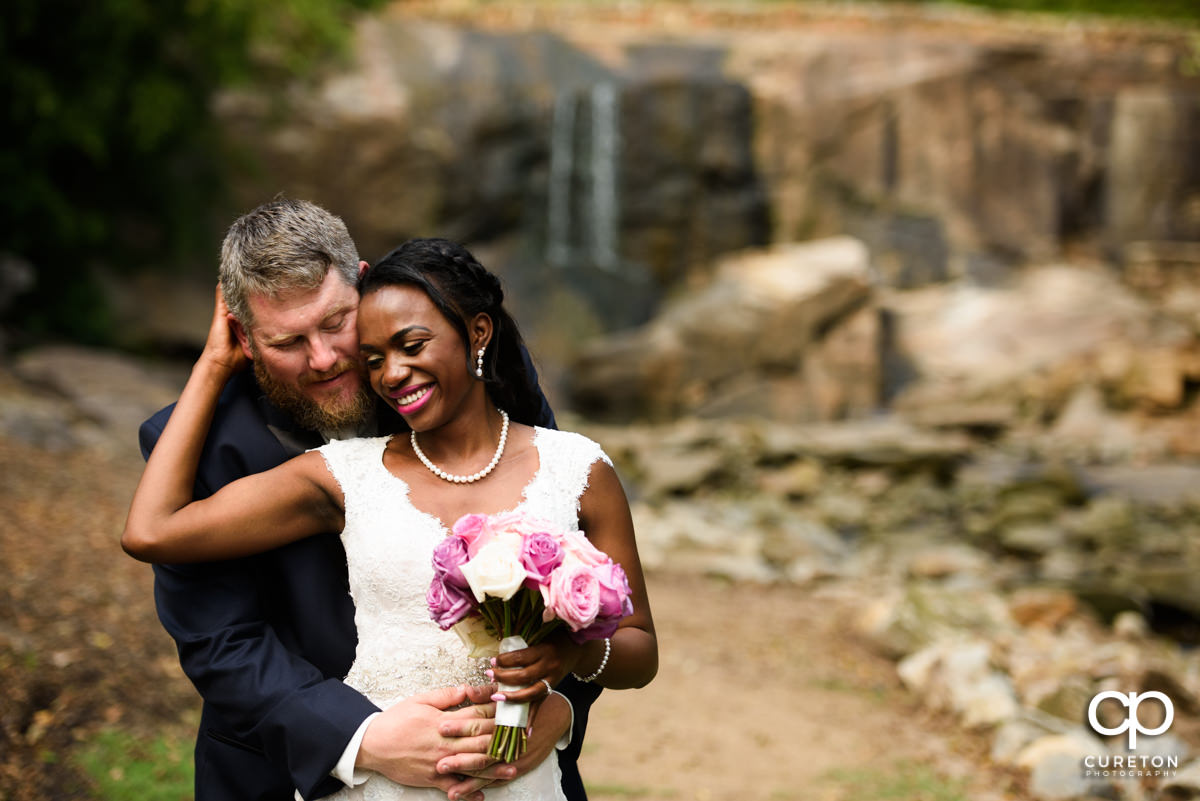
x=506, y=582
x=508, y=713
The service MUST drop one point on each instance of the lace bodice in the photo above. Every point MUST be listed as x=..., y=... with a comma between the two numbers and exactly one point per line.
x=389, y=542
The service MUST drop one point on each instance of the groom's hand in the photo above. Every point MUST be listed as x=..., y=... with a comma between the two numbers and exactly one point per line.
x=406, y=741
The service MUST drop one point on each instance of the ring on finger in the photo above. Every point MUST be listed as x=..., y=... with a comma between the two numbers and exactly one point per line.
x=549, y=689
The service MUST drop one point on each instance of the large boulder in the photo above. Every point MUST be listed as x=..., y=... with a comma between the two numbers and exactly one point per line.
x=1027, y=346
x=64, y=397
x=780, y=332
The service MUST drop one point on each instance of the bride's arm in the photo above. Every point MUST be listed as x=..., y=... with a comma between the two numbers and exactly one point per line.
x=632, y=660
x=253, y=514
x=633, y=654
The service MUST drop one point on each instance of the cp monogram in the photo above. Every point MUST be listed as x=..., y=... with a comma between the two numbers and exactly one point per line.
x=1131, y=723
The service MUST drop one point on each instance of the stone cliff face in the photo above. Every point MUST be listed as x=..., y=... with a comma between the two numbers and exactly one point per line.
x=964, y=157
x=948, y=148
x=611, y=178
x=608, y=164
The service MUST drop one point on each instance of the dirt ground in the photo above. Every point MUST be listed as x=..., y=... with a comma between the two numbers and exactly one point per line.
x=765, y=693
x=762, y=693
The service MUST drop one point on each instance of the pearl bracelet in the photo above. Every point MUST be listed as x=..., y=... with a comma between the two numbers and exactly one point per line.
x=603, y=663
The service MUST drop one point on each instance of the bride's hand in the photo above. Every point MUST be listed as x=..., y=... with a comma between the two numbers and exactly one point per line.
x=222, y=348
x=548, y=722
x=550, y=661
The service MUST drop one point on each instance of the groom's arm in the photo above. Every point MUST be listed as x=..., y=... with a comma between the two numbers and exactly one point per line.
x=271, y=699
x=301, y=720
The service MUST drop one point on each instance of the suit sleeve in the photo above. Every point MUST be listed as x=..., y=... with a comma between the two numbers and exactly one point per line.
x=271, y=698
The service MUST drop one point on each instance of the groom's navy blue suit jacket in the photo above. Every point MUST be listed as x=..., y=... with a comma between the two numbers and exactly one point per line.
x=267, y=639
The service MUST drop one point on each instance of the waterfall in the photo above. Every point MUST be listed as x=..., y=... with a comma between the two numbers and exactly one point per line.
x=600, y=232
x=562, y=167
x=604, y=165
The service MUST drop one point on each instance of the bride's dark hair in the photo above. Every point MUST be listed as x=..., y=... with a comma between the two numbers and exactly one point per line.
x=460, y=287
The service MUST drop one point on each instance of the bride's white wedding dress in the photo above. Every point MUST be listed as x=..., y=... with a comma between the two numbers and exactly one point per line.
x=389, y=544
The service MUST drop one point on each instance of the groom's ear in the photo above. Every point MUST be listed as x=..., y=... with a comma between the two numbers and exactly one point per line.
x=242, y=337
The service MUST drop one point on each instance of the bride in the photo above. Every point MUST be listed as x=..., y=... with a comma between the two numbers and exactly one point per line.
x=438, y=346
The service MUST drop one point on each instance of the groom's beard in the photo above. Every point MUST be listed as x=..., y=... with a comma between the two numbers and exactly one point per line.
x=309, y=414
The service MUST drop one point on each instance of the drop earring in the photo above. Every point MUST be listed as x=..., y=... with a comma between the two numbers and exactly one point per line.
x=479, y=364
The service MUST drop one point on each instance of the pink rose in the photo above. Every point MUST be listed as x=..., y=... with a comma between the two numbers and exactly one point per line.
x=448, y=558
x=540, y=554
x=510, y=522
x=580, y=547
x=615, y=603
x=614, y=591
x=520, y=523
x=470, y=528
x=478, y=530
x=447, y=604
x=602, y=627
x=573, y=595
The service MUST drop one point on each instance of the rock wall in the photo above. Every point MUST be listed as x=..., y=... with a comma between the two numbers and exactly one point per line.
x=602, y=163
x=606, y=179
x=608, y=164
x=948, y=155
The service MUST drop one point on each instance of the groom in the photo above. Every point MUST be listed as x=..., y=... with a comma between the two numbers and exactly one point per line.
x=267, y=639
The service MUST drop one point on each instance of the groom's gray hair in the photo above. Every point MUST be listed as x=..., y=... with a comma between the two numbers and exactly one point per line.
x=281, y=246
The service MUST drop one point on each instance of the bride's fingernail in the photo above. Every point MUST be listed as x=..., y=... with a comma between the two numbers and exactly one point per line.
x=491, y=674
x=499, y=697
x=493, y=661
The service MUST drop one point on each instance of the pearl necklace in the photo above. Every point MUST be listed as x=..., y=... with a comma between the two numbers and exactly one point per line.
x=442, y=474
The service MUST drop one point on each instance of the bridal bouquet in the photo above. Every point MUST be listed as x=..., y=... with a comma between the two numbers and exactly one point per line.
x=504, y=582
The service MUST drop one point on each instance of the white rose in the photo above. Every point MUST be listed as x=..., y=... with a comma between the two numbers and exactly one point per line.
x=494, y=571
x=474, y=634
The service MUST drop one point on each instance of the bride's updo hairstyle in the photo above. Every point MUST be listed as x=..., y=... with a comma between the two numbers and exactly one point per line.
x=460, y=287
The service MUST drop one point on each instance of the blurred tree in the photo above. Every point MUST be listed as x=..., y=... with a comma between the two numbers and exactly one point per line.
x=110, y=154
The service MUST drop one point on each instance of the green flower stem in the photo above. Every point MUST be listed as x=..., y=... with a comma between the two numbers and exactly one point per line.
x=488, y=611
x=508, y=743
x=543, y=631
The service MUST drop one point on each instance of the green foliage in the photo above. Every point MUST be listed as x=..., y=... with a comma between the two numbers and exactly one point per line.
x=1130, y=9
x=1191, y=63
x=112, y=158
x=125, y=768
